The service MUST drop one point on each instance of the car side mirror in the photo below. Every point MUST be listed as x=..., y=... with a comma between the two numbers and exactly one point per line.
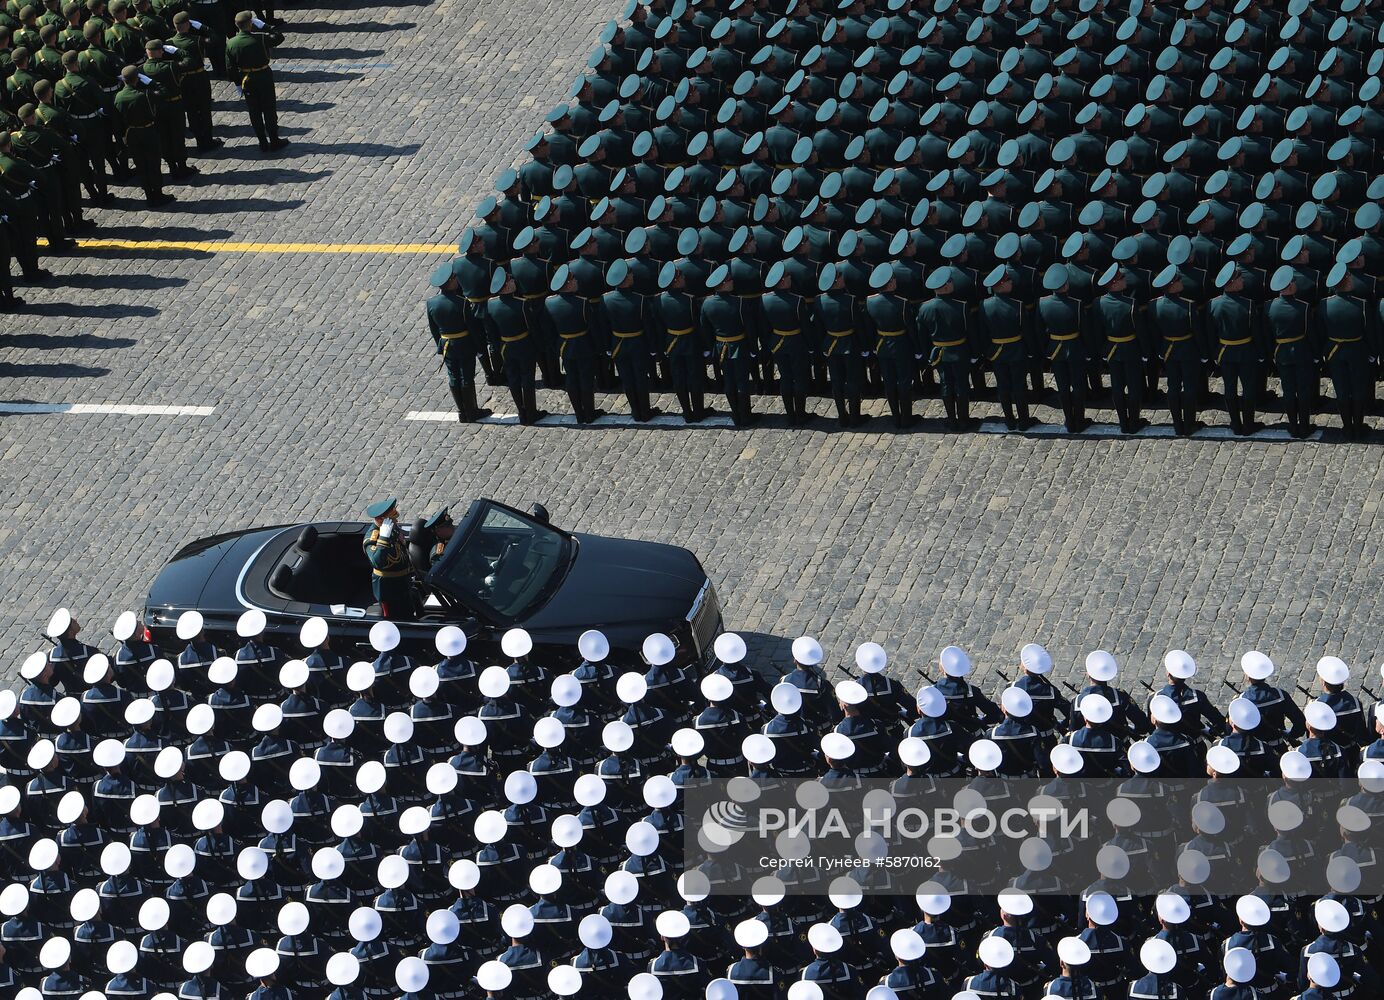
x=540, y=514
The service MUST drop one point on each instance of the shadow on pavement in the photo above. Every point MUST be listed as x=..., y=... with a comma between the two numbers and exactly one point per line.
x=8, y=370
x=86, y=341
x=326, y=54
x=352, y=27
x=132, y=282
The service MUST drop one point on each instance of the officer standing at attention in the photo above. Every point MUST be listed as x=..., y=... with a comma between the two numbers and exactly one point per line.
x=685, y=346
x=629, y=315
x=446, y=313
x=943, y=326
x=1348, y=328
x=1178, y=332
x=247, y=64
x=896, y=347
x=1233, y=329
x=734, y=353
x=843, y=346
x=506, y=324
x=1062, y=319
x=390, y=570
x=1286, y=317
x=1121, y=322
x=785, y=314
x=1006, y=329
x=577, y=350
x=474, y=274
x=137, y=115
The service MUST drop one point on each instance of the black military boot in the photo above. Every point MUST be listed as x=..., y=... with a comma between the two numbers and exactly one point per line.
x=950, y=405
x=800, y=401
x=843, y=418
x=1025, y=421
x=963, y=414
x=1009, y=421
x=789, y=410
x=525, y=417
x=857, y=418
x=905, y=420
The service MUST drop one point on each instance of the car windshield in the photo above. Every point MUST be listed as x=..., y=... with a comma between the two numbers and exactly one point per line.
x=505, y=563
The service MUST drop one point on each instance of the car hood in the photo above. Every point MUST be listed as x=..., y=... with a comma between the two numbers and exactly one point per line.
x=619, y=582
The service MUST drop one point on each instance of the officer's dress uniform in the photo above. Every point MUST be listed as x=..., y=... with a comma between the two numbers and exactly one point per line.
x=390, y=572
x=1177, y=332
x=578, y=351
x=944, y=330
x=1348, y=329
x=1295, y=358
x=842, y=348
x=1235, y=333
x=1062, y=319
x=722, y=317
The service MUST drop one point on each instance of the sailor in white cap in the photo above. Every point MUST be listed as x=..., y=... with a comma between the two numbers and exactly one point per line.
x=301, y=710
x=1033, y=952
x=871, y=740
x=233, y=942
x=392, y=667
x=69, y=654
x=1241, y=969
x=1051, y=709
x=1353, y=730
x=197, y=655
x=1127, y=718
x=631, y=922
x=326, y=666
x=143, y=743
x=1323, y=977
x=1280, y=717
x=721, y=727
x=668, y=687
x=1274, y=962
x=171, y=704
x=103, y=702
x=1199, y=718
x=258, y=659
x=1178, y=755
x=793, y=739
x=508, y=725
x=996, y=955
x=1109, y=948
x=1016, y=736
x=456, y=672
x=262, y=966
x=476, y=916
x=913, y=975
x=968, y=708
x=271, y=757
x=48, y=784
x=751, y=692
x=819, y=708
x=827, y=969
x=595, y=672
x=1160, y=980
x=888, y=698
x=753, y=975
x=447, y=959
x=1327, y=756
x=527, y=965
x=1256, y=760
x=201, y=983
x=1173, y=913
x=39, y=695
x=126, y=980
x=1097, y=740
x=1073, y=956
x=600, y=966
x=688, y=745
x=233, y=707
x=838, y=752
x=135, y=652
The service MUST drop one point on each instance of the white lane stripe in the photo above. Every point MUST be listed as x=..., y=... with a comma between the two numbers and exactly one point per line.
x=878, y=425
x=129, y=409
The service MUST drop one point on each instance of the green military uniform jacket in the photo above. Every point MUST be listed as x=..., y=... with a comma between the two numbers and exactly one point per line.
x=1006, y=330
x=1289, y=326
x=48, y=63
x=152, y=26
x=1349, y=325
x=893, y=338
x=1063, y=322
x=681, y=333
x=788, y=322
x=19, y=88
x=164, y=73
x=943, y=328
x=1122, y=328
x=81, y=98
x=135, y=113
x=1177, y=329
x=447, y=321
x=1234, y=329
x=388, y=556
x=191, y=63
x=836, y=316
x=628, y=313
x=247, y=63
x=125, y=43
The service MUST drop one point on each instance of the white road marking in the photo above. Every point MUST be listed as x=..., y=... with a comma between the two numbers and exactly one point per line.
x=128, y=409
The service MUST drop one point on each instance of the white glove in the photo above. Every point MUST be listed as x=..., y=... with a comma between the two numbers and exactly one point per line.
x=171, y=49
x=196, y=25
x=257, y=22
x=387, y=529
x=864, y=354
x=145, y=80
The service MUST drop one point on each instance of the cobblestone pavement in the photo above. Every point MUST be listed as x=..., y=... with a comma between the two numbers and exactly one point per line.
x=401, y=115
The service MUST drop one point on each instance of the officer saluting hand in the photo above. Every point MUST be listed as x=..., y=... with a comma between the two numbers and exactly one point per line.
x=389, y=564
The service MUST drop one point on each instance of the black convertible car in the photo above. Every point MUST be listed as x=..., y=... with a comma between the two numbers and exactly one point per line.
x=501, y=569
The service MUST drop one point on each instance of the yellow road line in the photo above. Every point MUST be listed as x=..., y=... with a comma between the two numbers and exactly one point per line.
x=217, y=246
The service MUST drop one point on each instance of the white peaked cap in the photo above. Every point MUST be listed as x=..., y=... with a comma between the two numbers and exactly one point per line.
x=1256, y=666
x=729, y=647
x=450, y=641
x=871, y=657
x=1179, y=664
x=807, y=651
x=1035, y=659
x=190, y=624
x=251, y=623
x=954, y=661
x=1333, y=670
x=516, y=643
x=384, y=637
x=1101, y=666
x=593, y=646
x=313, y=633
x=658, y=649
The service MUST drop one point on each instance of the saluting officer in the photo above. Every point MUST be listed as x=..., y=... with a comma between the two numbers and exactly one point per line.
x=390, y=571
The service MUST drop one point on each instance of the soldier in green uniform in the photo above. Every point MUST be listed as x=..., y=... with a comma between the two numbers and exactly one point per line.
x=1294, y=355
x=209, y=19
x=98, y=64
x=578, y=351
x=787, y=319
x=1063, y=324
x=41, y=143
x=1177, y=329
x=630, y=318
x=82, y=101
x=1006, y=330
x=168, y=92
x=136, y=116
x=70, y=38
x=446, y=312
x=123, y=38
x=19, y=87
x=531, y=279
x=895, y=344
x=1348, y=327
x=944, y=329
x=844, y=348
x=1234, y=329
x=685, y=348
x=48, y=58
x=1120, y=325
x=19, y=204
x=507, y=325
x=247, y=64
x=390, y=570
x=191, y=57
x=150, y=24
x=721, y=317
